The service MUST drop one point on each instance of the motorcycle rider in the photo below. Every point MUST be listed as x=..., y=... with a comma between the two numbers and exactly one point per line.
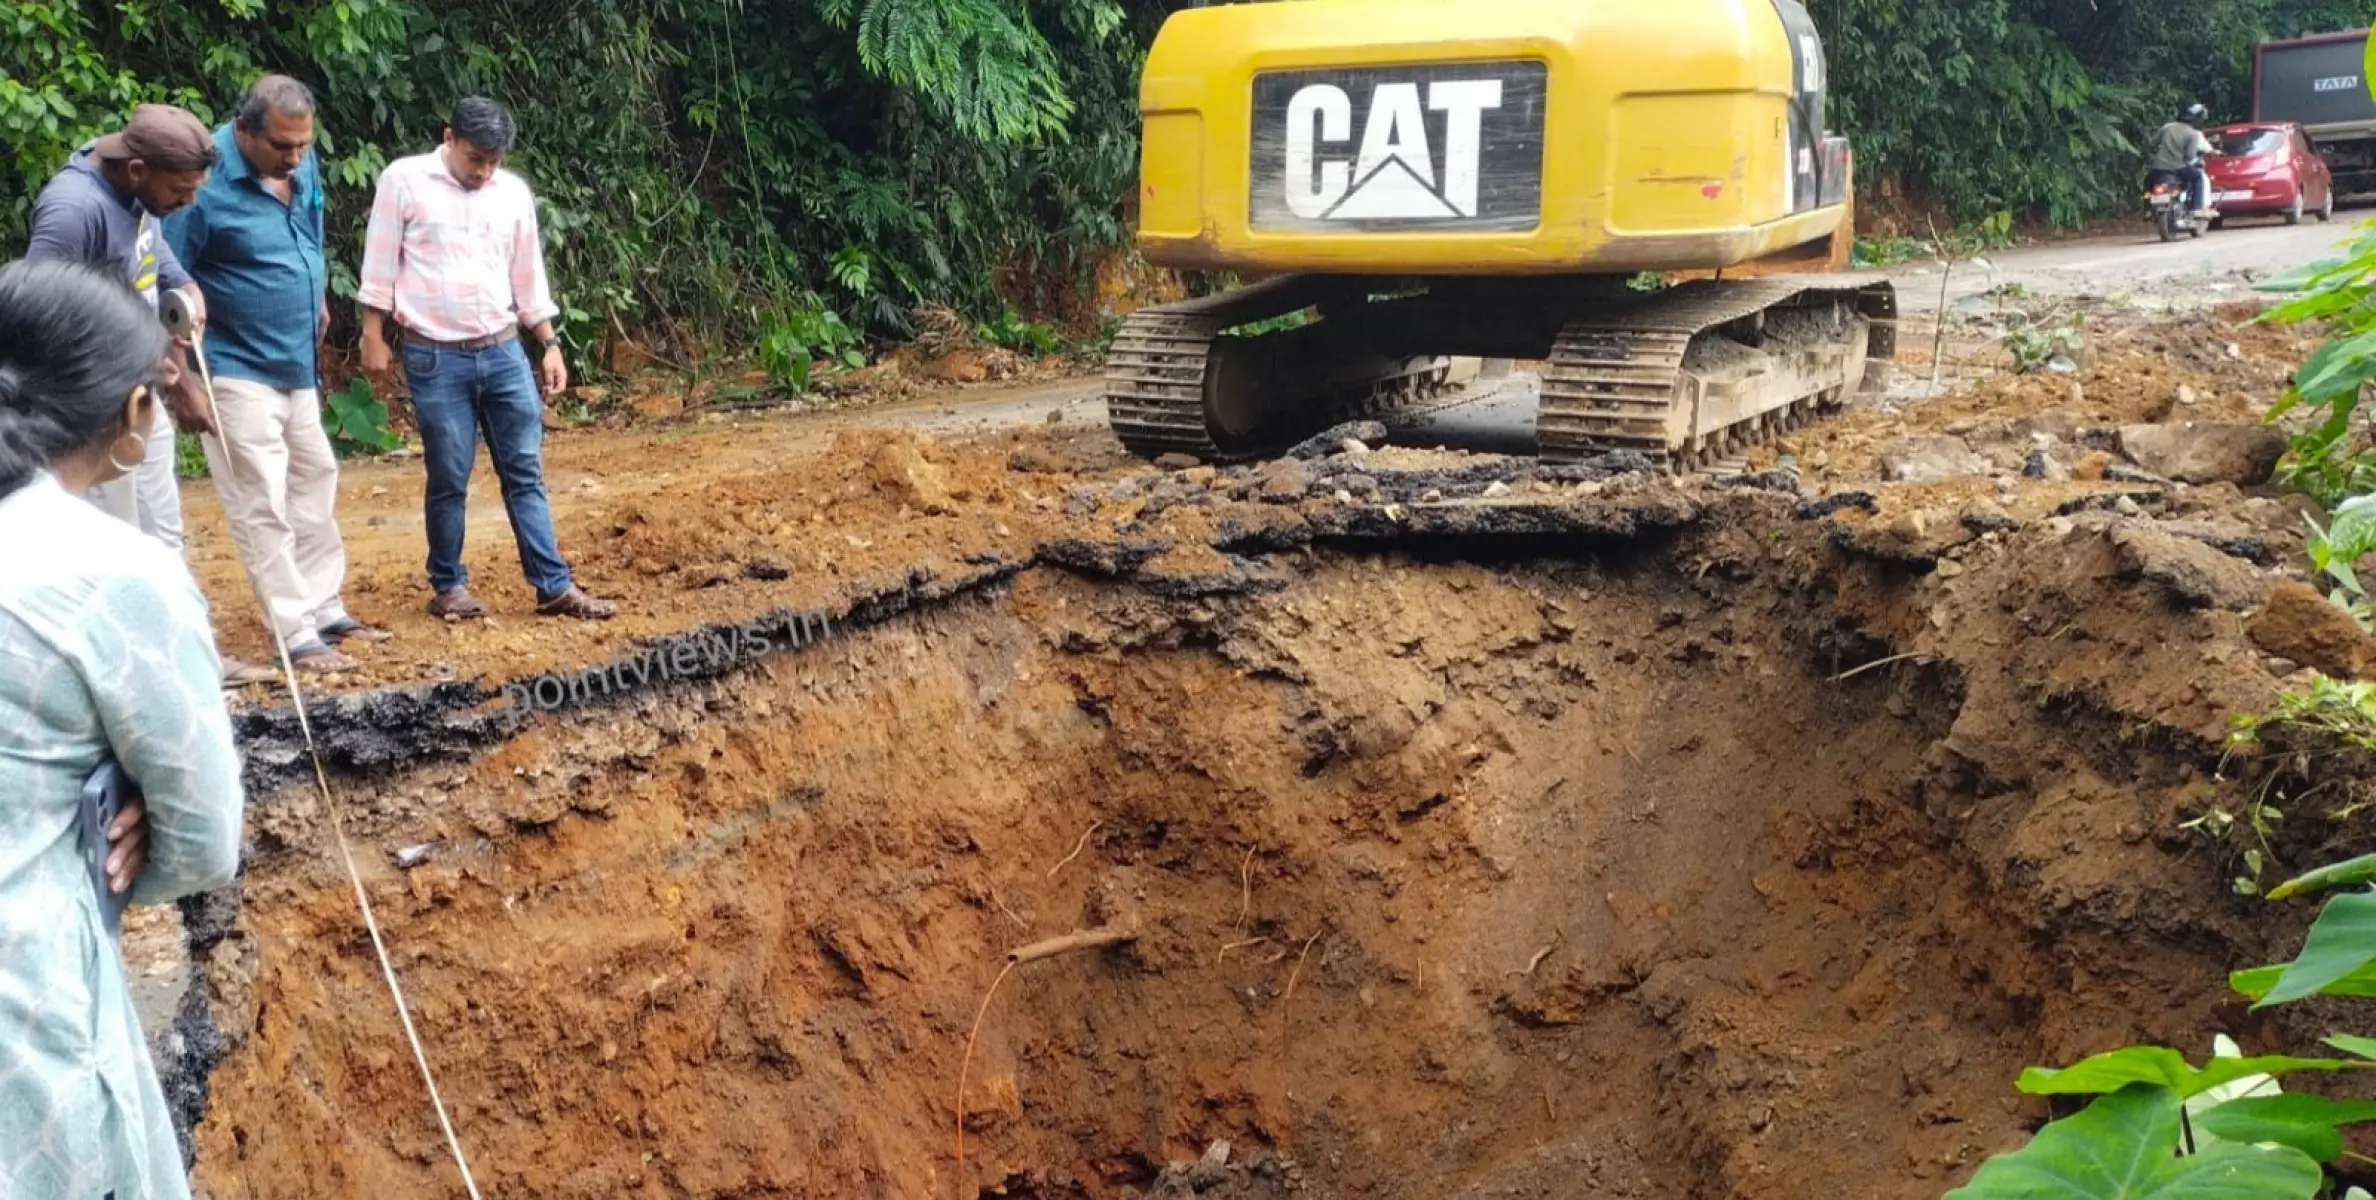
x=2178, y=152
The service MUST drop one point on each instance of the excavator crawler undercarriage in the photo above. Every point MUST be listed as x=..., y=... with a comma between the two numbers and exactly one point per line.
x=1686, y=375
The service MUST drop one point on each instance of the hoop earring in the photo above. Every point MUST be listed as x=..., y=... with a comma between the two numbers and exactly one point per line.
x=137, y=456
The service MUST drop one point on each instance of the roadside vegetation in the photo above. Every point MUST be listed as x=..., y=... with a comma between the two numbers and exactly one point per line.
x=729, y=186
x=2155, y=1124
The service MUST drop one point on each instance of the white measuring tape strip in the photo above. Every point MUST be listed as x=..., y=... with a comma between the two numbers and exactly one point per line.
x=178, y=318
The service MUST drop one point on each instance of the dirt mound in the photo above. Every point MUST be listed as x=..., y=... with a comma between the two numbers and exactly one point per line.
x=2200, y=367
x=1624, y=854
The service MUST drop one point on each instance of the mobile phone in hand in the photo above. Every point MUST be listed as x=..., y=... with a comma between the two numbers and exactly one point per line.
x=102, y=799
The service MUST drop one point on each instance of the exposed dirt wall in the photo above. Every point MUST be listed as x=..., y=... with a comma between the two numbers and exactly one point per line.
x=1621, y=855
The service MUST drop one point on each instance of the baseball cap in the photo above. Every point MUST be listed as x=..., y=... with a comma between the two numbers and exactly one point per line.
x=164, y=137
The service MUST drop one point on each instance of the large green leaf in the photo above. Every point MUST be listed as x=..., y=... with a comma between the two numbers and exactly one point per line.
x=2124, y=1147
x=2350, y=1044
x=2255, y=982
x=2340, y=539
x=2341, y=941
x=2336, y=370
x=2306, y=1123
x=2299, y=278
x=2159, y=1065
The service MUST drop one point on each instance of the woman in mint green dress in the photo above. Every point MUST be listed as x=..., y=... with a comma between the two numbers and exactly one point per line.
x=105, y=652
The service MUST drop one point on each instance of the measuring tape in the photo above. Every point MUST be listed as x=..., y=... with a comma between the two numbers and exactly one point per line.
x=180, y=320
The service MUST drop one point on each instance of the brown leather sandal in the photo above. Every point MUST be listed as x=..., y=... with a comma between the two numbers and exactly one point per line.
x=345, y=628
x=457, y=605
x=576, y=603
x=320, y=660
x=242, y=673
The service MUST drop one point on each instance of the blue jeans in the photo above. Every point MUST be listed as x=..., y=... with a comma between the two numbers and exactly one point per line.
x=457, y=395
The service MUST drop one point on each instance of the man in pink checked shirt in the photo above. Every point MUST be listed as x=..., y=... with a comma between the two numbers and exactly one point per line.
x=454, y=261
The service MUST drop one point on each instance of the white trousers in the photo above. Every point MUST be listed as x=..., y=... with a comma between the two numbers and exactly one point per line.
x=150, y=497
x=274, y=469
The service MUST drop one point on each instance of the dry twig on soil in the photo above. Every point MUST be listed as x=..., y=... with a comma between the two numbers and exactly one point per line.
x=1557, y=936
x=1078, y=846
x=966, y=1064
x=1939, y=337
x=1882, y=662
x=1071, y=943
x=1245, y=889
x=1237, y=946
x=1299, y=962
x=1000, y=901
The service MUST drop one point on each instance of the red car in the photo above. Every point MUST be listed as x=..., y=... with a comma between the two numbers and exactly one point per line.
x=2268, y=169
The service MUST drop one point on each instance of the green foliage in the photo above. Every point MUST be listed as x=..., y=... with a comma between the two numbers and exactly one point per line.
x=2039, y=106
x=189, y=457
x=2348, y=873
x=1019, y=335
x=2323, y=460
x=2255, y=982
x=2110, y=1072
x=1886, y=252
x=357, y=420
x=2037, y=344
x=794, y=340
x=2336, y=548
x=2310, y=1124
x=2161, y=1127
x=1993, y=231
x=2342, y=943
x=2330, y=708
x=697, y=161
x=2125, y=1147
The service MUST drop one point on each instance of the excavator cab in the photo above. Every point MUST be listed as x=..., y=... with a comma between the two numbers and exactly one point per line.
x=1418, y=182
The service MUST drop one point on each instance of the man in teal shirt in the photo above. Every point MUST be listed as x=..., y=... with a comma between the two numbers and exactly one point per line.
x=253, y=241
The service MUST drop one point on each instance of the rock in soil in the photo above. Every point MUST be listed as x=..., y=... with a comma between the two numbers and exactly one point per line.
x=1930, y=459
x=1216, y=1178
x=2205, y=451
x=1286, y=480
x=2300, y=624
x=903, y=472
x=2193, y=572
x=658, y=406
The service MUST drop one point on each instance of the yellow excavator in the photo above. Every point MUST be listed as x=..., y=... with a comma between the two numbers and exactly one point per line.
x=1422, y=186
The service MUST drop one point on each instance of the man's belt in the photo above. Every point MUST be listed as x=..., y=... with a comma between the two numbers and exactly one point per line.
x=412, y=338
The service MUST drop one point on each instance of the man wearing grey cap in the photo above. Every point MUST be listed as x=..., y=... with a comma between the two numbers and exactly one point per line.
x=105, y=208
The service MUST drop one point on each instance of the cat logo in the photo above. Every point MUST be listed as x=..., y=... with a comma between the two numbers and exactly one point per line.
x=1393, y=177
x=1421, y=146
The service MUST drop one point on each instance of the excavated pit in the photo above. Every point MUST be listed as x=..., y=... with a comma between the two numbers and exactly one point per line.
x=1673, y=841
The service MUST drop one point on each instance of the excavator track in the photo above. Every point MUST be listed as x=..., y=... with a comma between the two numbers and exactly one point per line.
x=1159, y=367
x=1625, y=379
x=1155, y=382
x=1690, y=377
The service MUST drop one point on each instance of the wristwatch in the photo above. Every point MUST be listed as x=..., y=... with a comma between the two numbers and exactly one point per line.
x=551, y=340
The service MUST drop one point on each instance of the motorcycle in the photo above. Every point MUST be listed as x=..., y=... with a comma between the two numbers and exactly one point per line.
x=2167, y=206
